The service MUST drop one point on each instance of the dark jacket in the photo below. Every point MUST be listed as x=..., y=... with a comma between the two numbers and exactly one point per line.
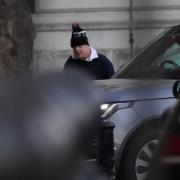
x=98, y=68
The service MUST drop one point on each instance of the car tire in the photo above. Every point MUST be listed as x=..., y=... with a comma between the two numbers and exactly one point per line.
x=138, y=153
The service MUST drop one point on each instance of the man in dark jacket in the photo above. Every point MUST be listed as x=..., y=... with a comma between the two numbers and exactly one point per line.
x=85, y=58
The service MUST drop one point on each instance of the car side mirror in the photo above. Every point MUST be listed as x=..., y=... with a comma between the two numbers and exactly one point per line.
x=176, y=89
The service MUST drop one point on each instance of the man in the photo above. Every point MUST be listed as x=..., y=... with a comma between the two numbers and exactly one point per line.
x=85, y=58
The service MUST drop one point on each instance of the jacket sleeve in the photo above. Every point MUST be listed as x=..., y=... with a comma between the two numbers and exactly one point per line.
x=67, y=64
x=108, y=69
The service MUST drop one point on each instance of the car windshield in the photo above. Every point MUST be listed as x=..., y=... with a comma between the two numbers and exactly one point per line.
x=159, y=59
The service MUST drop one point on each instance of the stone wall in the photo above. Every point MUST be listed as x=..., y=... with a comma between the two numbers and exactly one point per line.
x=16, y=37
x=107, y=25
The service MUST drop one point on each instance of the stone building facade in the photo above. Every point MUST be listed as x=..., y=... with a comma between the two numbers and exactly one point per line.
x=108, y=25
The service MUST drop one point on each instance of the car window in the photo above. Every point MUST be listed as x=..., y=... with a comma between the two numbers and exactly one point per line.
x=157, y=59
x=171, y=54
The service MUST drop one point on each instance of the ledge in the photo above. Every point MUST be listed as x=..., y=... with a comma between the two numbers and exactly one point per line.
x=105, y=9
x=42, y=27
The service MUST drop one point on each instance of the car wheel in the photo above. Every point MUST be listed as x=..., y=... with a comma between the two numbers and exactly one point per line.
x=143, y=159
x=138, y=154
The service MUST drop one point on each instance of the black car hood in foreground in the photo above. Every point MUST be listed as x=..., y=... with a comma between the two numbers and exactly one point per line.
x=129, y=89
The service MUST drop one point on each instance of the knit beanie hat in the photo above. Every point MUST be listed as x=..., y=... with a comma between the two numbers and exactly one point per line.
x=78, y=36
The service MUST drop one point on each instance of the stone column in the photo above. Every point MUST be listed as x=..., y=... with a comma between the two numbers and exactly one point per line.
x=16, y=37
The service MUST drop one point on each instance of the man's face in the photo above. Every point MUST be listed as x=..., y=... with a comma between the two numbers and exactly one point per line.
x=82, y=52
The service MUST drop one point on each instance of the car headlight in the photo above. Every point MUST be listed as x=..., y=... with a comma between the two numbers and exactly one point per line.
x=108, y=109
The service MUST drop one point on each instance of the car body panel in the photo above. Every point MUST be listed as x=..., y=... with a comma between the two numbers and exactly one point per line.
x=122, y=90
x=151, y=98
x=127, y=120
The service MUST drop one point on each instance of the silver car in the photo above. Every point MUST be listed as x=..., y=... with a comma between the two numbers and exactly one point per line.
x=136, y=97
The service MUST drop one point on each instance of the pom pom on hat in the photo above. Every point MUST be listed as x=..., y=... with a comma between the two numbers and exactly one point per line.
x=78, y=36
x=76, y=27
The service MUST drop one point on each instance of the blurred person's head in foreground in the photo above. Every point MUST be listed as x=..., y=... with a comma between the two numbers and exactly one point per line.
x=44, y=122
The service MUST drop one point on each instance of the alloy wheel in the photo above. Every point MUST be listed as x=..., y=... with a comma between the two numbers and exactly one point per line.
x=144, y=158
